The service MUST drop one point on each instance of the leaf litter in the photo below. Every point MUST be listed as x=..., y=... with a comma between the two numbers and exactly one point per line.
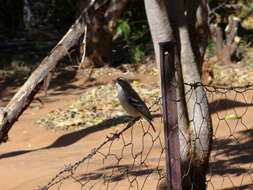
x=98, y=105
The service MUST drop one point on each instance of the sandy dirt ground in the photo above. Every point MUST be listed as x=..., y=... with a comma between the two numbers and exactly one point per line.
x=33, y=155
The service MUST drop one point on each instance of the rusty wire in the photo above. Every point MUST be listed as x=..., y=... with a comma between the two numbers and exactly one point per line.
x=112, y=166
x=139, y=163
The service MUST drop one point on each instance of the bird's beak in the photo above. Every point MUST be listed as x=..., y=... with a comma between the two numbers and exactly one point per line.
x=114, y=81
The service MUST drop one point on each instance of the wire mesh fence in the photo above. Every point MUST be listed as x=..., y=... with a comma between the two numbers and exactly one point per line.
x=134, y=157
x=125, y=159
x=231, y=158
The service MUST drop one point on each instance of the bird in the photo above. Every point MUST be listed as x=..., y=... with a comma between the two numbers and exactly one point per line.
x=131, y=101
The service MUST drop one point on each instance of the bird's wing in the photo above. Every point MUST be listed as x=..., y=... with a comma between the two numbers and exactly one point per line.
x=138, y=104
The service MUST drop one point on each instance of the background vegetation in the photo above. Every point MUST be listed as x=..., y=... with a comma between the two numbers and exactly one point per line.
x=25, y=40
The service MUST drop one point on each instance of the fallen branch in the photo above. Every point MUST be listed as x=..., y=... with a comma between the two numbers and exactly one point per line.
x=22, y=99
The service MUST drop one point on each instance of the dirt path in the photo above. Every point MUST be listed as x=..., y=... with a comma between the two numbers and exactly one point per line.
x=34, y=155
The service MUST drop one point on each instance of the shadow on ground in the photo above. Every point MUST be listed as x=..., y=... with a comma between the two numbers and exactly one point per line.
x=65, y=77
x=71, y=138
x=241, y=187
x=118, y=172
x=235, y=154
x=226, y=104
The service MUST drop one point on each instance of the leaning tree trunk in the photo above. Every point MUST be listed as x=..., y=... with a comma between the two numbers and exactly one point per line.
x=188, y=20
x=21, y=100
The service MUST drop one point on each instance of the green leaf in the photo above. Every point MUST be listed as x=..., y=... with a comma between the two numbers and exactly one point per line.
x=138, y=54
x=232, y=117
x=123, y=29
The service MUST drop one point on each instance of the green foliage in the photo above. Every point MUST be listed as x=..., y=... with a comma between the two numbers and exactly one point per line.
x=210, y=49
x=242, y=9
x=123, y=29
x=138, y=54
x=132, y=34
x=232, y=117
x=246, y=10
x=222, y=9
x=216, y=74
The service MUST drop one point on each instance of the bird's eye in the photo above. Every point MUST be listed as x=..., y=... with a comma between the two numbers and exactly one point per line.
x=120, y=79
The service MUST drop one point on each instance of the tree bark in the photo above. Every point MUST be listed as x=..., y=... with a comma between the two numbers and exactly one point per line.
x=200, y=128
x=159, y=25
x=24, y=96
x=198, y=115
x=186, y=21
x=226, y=48
x=100, y=34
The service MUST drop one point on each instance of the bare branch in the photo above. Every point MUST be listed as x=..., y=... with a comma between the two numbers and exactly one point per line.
x=24, y=96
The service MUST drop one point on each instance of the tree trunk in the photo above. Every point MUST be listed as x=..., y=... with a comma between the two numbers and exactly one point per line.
x=100, y=33
x=159, y=24
x=226, y=48
x=187, y=23
x=24, y=96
